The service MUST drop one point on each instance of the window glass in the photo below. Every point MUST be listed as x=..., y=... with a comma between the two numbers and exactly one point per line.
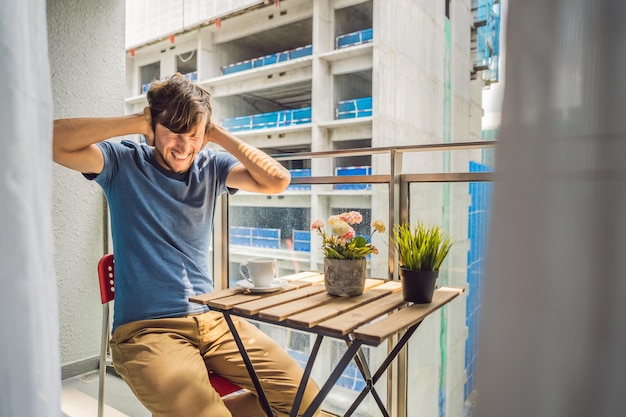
x=279, y=226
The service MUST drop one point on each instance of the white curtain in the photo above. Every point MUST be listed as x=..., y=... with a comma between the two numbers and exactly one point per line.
x=30, y=380
x=553, y=340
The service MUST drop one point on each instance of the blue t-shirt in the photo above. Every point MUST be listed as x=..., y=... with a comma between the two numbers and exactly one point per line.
x=161, y=224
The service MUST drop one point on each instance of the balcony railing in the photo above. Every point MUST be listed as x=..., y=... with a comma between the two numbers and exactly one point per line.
x=354, y=38
x=448, y=183
x=268, y=59
x=282, y=118
x=346, y=109
x=341, y=41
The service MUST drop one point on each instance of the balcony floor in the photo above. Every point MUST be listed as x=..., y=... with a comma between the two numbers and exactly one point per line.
x=79, y=398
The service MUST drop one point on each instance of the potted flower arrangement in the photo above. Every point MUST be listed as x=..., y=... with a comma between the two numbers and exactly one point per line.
x=345, y=252
x=420, y=251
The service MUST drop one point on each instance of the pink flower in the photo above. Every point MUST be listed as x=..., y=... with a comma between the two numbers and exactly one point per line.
x=351, y=217
x=345, y=217
x=356, y=217
x=317, y=224
x=349, y=234
x=341, y=241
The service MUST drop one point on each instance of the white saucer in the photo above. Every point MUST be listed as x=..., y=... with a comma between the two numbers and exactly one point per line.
x=276, y=285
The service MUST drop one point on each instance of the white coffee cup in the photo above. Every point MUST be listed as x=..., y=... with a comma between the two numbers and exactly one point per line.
x=261, y=272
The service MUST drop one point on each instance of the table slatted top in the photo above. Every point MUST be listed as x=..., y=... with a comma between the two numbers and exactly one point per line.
x=378, y=331
x=303, y=303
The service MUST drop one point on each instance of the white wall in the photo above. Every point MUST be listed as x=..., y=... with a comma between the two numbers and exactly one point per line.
x=86, y=46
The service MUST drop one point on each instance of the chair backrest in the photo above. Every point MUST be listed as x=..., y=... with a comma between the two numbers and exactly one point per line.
x=106, y=276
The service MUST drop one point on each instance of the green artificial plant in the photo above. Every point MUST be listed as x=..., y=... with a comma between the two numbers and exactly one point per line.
x=420, y=247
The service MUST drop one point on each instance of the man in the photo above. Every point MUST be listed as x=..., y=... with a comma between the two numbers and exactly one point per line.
x=162, y=199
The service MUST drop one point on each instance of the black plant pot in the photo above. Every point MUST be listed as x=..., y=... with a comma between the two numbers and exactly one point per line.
x=418, y=286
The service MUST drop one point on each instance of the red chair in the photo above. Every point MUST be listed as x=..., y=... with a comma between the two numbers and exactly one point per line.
x=106, y=276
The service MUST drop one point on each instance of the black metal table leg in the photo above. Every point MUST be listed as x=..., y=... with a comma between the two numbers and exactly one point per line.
x=357, y=401
x=360, y=361
x=334, y=376
x=353, y=352
x=380, y=403
x=305, y=377
x=379, y=372
x=246, y=359
x=394, y=352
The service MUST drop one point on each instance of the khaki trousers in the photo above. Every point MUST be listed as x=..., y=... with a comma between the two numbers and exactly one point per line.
x=165, y=363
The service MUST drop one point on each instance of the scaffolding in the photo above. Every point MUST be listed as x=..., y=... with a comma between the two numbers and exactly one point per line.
x=486, y=40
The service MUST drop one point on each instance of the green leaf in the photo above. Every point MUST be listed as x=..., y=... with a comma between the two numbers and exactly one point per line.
x=359, y=241
x=420, y=247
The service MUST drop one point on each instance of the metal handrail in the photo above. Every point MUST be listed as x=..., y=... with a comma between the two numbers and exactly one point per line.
x=432, y=147
x=397, y=181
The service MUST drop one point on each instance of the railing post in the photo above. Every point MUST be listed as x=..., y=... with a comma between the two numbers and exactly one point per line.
x=395, y=212
x=399, y=212
x=220, y=244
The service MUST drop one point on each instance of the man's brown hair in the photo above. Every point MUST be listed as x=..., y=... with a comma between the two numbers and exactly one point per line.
x=178, y=104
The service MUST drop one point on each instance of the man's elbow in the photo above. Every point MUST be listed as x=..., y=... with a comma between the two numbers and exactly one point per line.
x=281, y=182
x=58, y=153
x=59, y=150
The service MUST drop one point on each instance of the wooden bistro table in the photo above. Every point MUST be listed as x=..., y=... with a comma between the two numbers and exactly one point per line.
x=303, y=304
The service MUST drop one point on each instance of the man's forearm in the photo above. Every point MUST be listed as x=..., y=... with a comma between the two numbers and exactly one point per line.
x=71, y=135
x=268, y=173
x=73, y=141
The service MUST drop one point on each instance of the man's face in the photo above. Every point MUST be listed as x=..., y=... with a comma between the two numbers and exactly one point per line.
x=176, y=151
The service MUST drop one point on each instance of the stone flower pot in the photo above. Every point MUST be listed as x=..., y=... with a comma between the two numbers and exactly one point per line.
x=344, y=277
